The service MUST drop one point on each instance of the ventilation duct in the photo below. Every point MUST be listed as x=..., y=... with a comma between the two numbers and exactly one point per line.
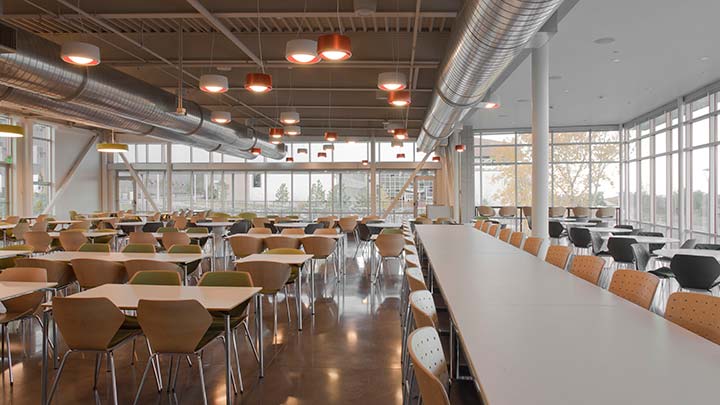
x=36, y=68
x=486, y=37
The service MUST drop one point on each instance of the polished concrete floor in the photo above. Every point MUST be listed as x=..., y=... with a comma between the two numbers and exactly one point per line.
x=348, y=353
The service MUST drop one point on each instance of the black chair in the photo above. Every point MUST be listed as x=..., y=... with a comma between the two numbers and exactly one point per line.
x=364, y=237
x=630, y=227
x=271, y=227
x=707, y=246
x=556, y=229
x=653, y=246
x=689, y=244
x=151, y=226
x=621, y=250
x=696, y=272
x=597, y=244
x=242, y=226
x=580, y=237
x=641, y=254
x=310, y=228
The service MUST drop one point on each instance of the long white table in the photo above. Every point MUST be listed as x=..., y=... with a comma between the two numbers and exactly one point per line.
x=533, y=334
x=670, y=253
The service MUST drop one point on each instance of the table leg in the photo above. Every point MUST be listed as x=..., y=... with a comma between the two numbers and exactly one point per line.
x=44, y=370
x=259, y=332
x=54, y=336
x=298, y=297
x=452, y=350
x=312, y=286
x=228, y=370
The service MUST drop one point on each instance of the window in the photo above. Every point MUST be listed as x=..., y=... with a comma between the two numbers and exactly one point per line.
x=43, y=166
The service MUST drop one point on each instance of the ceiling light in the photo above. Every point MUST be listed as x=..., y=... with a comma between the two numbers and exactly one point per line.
x=289, y=117
x=276, y=133
x=436, y=158
x=400, y=156
x=112, y=147
x=11, y=131
x=276, y=141
x=289, y=159
x=213, y=83
x=604, y=40
x=491, y=102
x=364, y=162
x=328, y=147
x=258, y=82
x=399, y=98
x=255, y=151
x=322, y=154
x=391, y=81
x=220, y=117
x=302, y=151
x=364, y=7
x=301, y=51
x=292, y=130
x=334, y=47
x=80, y=53
x=392, y=126
x=351, y=142
x=396, y=143
x=331, y=136
x=460, y=148
x=400, y=134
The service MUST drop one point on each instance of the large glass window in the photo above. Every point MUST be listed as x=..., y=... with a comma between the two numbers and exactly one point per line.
x=43, y=166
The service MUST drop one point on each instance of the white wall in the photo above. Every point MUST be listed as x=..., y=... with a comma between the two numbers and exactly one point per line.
x=83, y=194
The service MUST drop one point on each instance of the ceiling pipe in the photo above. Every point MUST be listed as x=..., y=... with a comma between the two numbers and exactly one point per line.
x=36, y=67
x=486, y=36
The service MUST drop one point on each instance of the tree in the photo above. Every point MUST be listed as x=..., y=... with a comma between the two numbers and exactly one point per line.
x=282, y=194
x=317, y=195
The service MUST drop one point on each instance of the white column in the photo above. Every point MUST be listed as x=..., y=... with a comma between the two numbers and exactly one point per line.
x=540, y=140
x=24, y=170
x=467, y=175
x=373, y=179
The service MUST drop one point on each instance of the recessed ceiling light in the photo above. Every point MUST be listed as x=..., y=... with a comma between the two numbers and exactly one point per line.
x=555, y=77
x=615, y=60
x=704, y=58
x=604, y=40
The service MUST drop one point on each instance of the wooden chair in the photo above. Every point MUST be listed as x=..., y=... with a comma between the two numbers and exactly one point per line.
x=493, y=230
x=265, y=231
x=135, y=266
x=431, y=368
x=243, y=245
x=292, y=231
x=556, y=212
x=279, y=242
x=486, y=211
x=507, y=212
x=486, y=226
x=558, y=255
x=389, y=246
x=532, y=245
x=40, y=241
x=516, y=239
x=56, y=271
x=423, y=309
x=72, y=240
x=142, y=237
x=505, y=234
x=321, y=248
x=95, y=272
x=175, y=238
x=698, y=313
x=635, y=286
x=588, y=268
x=271, y=277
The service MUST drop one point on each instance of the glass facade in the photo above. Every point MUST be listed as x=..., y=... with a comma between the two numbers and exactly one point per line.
x=43, y=166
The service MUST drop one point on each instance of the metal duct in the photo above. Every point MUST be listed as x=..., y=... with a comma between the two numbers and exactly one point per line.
x=36, y=67
x=486, y=37
x=19, y=99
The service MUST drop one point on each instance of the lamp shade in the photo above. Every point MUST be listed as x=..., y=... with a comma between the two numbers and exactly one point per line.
x=220, y=117
x=276, y=133
x=399, y=98
x=11, y=131
x=331, y=136
x=396, y=143
x=289, y=159
x=302, y=151
x=276, y=141
x=213, y=83
x=289, y=117
x=460, y=148
x=112, y=147
x=391, y=81
x=334, y=47
x=400, y=134
x=302, y=51
x=364, y=162
x=80, y=53
x=322, y=154
x=392, y=126
x=436, y=158
x=400, y=156
x=328, y=147
x=258, y=82
x=292, y=130
x=255, y=151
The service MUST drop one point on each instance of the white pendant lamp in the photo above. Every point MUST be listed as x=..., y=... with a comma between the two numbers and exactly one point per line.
x=289, y=117
x=292, y=130
x=11, y=131
x=392, y=126
x=302, y=151
x=220, y=117
x=213, y=83
x=80, y=53
x=391, y=81
x=302, y=51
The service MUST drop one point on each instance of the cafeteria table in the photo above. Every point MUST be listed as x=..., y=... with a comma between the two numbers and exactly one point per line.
x=644, y=239
x=670, y=253
x=127, y=296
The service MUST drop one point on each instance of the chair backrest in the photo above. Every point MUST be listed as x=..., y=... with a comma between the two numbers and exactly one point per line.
x=516, y=239
x=620, y=249
x=242, y=226
x=532, y=245
x=243, y=245
x=276, y=242
x=707, y=246
x=698, y=272
x=292, y=231
x=431, y=369
x=364, y=233
x=486, y=226
x=247, y=215
x=486, y=211
x=581, y=212
x=689, y=244
x=348, y=224
x=641, y=256
x=478, y=224
x=588, y=268
x=139, y=248
x=39, y=225
x=155, y=277
x=318, y=246
x=19, y=231
x=507, y=211
x=76, y=316
x=164, y=229
x=94, y=247
x=93, y=272
x=325, y=231
x=414, y=278
x=271, y=227
x=555, y=229
x=71, y=241
x=558, y=255
x=162, y=327
x=142, y=237
x=264, y=231
x=226, y=279
x=580, y=237
x=175, y=238
x=605, y=212
x=185, y=249
x=556, y=212
x=505, y=234
x=698, y=313
x=39, y=240
x=635, y=286
x=137, y=265
x=443, y=220
x=493, y=230
x=423, y=308
x=390, y=245
x=56, y=271
x=84, y=225
x=12, y=219
x=180, y=223
x=653, y=246
x=423, y=221
x=27, y=303
x=270, y=276
x=596, y=242
x=260, y=222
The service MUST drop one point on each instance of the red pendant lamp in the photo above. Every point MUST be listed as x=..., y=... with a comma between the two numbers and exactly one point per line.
x=334, y=47
x=400, y=134
x=258, y=82
x=399, y=98
x=256, y=151
x=331, y=136
x=276, y=133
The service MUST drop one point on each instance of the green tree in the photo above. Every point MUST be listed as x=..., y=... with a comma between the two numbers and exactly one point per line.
x=282, y=194
x=318, y=195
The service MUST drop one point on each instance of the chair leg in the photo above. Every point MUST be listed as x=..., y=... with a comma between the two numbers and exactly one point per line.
x=237, y=359
x=250, y=340
x=111, y=358
x=175, y=376
x=57, y=376
x=6, y=333
x=287, y=304
x=155, y=361
x=151, y=362
x=202, y=380
x=171, y=368
x=275, y=316
x=98, y=361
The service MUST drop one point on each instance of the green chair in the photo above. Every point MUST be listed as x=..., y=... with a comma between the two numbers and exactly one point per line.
x=105, y=239
x=187, y=249
x=199, y=229
x=139, y=248
x=272, y=216
x=247, y=215
x=10, y=261
x=392, y=231
x=156, y=277
x=293, y=216
x=95, y=247
x=167, y=229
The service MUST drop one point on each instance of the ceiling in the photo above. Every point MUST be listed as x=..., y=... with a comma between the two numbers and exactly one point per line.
x=341, y=95
x=662, y=49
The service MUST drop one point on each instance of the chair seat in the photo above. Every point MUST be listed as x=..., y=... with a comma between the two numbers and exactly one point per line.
x=663, y=272
x=121, y=335
x=14, y=316
x=209, y=336
x=218, y=322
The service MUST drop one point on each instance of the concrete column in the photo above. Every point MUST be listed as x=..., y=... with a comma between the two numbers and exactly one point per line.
x=540, y=140
x=24, y=170
x=373, y=179
x=467, y=175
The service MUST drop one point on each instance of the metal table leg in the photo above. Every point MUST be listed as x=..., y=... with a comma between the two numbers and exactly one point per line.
x=228, y=370
x=259, y=333
x=298, y=297
x=44, y=370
